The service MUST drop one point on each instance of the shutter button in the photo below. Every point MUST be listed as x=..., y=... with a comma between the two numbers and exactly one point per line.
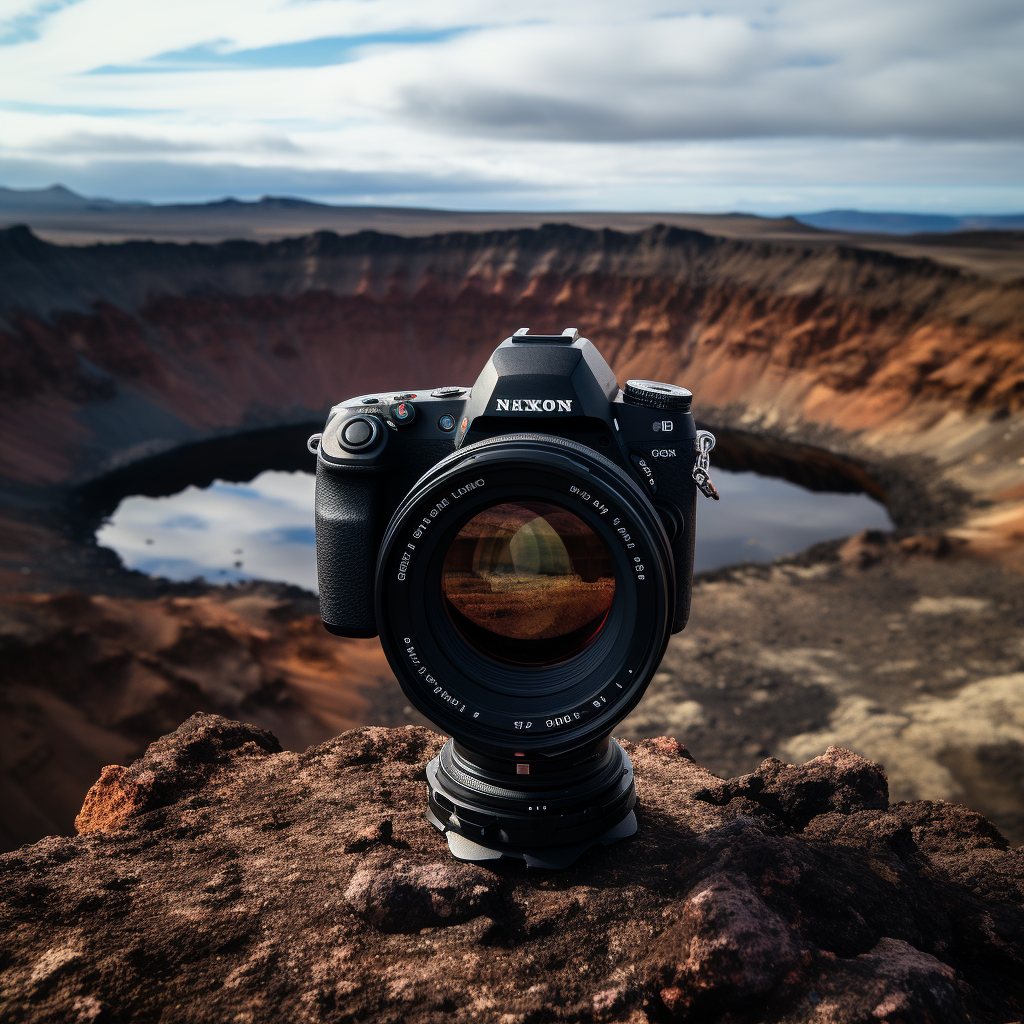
x=357, y=434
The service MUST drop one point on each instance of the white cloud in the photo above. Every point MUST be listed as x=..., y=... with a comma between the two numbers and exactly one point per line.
x=561, y=103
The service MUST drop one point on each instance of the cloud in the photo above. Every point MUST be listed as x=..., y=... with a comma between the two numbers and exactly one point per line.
x=460, y=102
x=108, y=144
x=20, y=23
x=718, y=77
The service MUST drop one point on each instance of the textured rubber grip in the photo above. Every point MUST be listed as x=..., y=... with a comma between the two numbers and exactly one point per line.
x=685, y=498
x=347, y=516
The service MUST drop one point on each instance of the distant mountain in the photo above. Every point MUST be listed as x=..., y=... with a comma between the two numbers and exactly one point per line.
x=908, y=223
x=55, y=199
x=58, y=199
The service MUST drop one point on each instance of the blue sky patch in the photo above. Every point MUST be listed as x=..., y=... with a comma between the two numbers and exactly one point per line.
x=24, y=27
x=309, y=53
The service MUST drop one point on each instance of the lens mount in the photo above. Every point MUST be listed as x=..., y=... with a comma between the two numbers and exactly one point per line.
x=478, y=651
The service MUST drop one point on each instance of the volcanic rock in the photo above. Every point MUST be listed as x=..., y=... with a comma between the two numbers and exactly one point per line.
x=86, y=680
x=220, y=878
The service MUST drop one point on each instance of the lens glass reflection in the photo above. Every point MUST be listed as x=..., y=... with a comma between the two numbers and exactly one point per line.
x=528, y=582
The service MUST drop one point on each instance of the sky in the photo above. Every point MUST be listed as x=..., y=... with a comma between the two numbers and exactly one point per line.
x=792, y=106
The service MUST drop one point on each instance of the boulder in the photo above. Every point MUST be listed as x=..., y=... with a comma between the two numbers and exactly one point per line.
x=220, y=878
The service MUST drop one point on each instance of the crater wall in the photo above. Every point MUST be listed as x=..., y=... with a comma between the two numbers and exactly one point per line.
x=114, y=353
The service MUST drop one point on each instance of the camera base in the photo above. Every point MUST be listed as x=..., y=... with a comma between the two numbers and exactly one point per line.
x=547, y=817
x=554, y=858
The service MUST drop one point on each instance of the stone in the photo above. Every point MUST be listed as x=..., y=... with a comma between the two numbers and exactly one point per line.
x=406, y=897
x=222, y=878
x=838, y=780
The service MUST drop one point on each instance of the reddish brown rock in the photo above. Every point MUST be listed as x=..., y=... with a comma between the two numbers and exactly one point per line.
x=87, y=680
x=244, y=883
x=837, y=781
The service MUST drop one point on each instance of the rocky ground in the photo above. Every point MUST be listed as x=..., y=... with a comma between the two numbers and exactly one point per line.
x=220, y=878
x=90, y=680
x=908, y=655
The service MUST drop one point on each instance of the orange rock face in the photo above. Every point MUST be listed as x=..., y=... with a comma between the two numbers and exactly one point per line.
x=208, y=338
x=109, y=354
x=88, y=680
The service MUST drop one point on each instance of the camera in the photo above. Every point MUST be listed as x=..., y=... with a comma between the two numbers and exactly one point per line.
x=524, y=549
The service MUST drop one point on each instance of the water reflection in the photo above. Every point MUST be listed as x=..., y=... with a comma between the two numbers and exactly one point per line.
x=222, y=533
x=762, y=517
x=264, y=529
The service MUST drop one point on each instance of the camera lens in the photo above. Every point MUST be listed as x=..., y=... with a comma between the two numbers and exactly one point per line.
x=524, y=598
x=524, y=594
x=528, y=583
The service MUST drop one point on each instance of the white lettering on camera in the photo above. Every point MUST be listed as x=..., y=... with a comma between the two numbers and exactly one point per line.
x=567, y=719
x=432, y=514
x=533, y=405
x=448, y=698
x=471, y=486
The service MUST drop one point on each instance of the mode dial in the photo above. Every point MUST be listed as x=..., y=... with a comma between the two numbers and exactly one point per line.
x=656, y=395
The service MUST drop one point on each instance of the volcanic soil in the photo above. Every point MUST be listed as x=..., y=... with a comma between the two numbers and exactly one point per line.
x=221, y=878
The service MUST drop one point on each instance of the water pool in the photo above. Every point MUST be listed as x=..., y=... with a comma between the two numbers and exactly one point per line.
x=264, y=529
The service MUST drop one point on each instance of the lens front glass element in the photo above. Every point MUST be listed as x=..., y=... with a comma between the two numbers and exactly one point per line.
x=528, y=583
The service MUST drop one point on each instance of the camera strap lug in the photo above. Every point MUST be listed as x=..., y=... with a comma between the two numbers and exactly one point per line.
x=704, y=441
x=313, y=444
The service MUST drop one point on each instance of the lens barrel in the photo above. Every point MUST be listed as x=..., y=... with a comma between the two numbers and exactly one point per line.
x=524, y=597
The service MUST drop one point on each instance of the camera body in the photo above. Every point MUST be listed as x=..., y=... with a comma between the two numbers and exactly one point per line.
x=524, y=548
x=375, y=448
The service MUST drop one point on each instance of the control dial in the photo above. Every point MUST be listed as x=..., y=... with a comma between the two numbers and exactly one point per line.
x=656, y=395
x=359, y=433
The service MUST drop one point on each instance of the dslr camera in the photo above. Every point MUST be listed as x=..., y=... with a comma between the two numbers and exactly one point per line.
x=524, y=549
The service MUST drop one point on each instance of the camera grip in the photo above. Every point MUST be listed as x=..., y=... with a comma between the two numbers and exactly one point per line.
x=347, y=515
x=682, y=551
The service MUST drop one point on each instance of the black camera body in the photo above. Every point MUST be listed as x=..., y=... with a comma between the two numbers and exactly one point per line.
x=524, y=548
x=557, y=385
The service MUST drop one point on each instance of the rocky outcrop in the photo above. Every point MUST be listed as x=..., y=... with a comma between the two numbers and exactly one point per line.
x=219, y=877
x=85, y=680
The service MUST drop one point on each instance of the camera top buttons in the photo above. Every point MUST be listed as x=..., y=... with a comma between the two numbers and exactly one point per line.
x=402, y=413
x=656, y=395
x=643, y=468
x=446, y=423
x=402, y=398
x=358, y=433
x=370, y=400
x=447, y=392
